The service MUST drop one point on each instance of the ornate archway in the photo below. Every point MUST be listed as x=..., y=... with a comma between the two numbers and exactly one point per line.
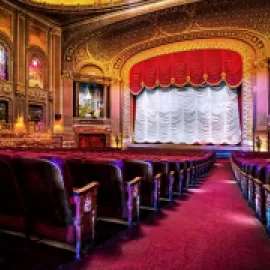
x=247, y=53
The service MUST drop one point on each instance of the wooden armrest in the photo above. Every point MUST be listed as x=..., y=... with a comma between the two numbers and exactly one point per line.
x=257, y=181
x=134, y=181
x=90, y=186
x=267, y=187
x=158, y=175
x=181, y=171
x=188, y=169
x=85, y=203
x=171, y=173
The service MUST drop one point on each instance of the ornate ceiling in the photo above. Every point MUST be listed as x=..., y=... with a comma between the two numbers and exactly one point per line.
x=83, y=5
x=81, y=2
x=71, y=12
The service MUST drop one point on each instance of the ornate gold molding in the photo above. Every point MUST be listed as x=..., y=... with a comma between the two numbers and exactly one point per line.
x=5, y=88
x=37, y=94
x=247, y=53
x=20, y=90
x=252, y=38
x=261, y=63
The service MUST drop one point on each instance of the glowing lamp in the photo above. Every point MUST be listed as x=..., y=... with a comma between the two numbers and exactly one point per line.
x=19, y=125
x=35, y=62
x=58, y=126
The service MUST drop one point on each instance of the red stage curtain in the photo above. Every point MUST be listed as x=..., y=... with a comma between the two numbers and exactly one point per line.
x=192, y=67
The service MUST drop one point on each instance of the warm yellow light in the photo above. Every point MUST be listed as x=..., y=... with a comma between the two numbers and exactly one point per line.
x=77, y=2
x=19, y=125
x=58, y=127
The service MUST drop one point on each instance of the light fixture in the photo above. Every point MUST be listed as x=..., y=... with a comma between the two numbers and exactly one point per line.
x=19, y=125
x=35, y=62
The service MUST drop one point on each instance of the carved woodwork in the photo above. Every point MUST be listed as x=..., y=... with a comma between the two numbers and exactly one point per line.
x=85, y=200
x=91, y=132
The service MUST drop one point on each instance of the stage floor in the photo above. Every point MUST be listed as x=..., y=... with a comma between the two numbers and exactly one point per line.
x=222, y=151
x=190, y=147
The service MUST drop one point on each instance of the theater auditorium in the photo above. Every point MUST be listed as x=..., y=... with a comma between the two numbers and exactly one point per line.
x=134, y=134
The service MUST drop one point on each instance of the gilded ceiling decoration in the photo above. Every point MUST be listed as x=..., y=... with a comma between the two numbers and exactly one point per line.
x=84, y=5
x=79, y=2
x=169, y=26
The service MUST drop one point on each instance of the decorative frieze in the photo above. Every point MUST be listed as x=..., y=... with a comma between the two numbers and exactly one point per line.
x=37, y=94
x=5, y=88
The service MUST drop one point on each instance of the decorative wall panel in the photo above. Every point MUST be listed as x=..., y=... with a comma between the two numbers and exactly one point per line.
x=6, y=20
x=37, y=37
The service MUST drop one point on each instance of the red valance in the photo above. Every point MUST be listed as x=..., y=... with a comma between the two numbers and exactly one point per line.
x=192, y=67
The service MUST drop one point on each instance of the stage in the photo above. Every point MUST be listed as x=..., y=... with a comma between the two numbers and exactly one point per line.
x=222, y=151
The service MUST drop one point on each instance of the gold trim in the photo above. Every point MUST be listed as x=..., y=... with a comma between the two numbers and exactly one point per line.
x=248, y=56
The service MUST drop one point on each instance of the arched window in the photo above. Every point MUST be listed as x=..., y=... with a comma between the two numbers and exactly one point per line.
x=3, y=63
x=35, y=73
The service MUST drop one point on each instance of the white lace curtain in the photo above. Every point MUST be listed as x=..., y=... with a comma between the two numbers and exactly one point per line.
x=188, y=115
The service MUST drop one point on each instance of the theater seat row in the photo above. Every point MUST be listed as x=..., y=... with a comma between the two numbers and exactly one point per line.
x=55, y=195
x=252, y=172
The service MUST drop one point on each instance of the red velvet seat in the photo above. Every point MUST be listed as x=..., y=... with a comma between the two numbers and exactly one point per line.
x=119, y=194
x=53, y=214
x=12, y=209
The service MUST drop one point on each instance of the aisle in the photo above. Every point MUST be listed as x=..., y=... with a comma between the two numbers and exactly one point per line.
x=212, y=229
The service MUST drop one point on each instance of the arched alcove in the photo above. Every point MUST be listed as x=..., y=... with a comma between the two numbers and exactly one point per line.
x=37, y=68
x=91, y=70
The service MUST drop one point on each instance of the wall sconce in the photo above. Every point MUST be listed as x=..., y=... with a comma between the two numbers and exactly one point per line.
x=19, y=126
x=58, y=125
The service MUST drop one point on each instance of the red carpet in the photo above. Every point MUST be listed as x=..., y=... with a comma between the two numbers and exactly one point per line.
x=212, y=229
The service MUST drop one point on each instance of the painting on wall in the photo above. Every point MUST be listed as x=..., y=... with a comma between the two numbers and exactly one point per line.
x=91, y=100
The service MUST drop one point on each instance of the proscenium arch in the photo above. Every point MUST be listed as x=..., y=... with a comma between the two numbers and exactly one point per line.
x=247, y=53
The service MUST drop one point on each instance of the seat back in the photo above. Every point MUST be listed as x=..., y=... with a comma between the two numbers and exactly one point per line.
x=134, y=168
x=260, y=172
x=111, y=191
x=42, y=188
x=11, y=202
x=62, y=165
x=75, y=169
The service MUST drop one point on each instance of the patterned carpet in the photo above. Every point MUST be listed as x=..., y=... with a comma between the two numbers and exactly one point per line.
x=211, y=228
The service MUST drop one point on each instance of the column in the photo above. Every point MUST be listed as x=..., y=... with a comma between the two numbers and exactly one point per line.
x=56, y=69
x=261, y=102
x=115, y=110
x=20, y=66
x=67, y=103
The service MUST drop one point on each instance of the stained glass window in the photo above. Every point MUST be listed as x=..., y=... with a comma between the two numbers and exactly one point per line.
x=3, y=63
x=35, y=73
